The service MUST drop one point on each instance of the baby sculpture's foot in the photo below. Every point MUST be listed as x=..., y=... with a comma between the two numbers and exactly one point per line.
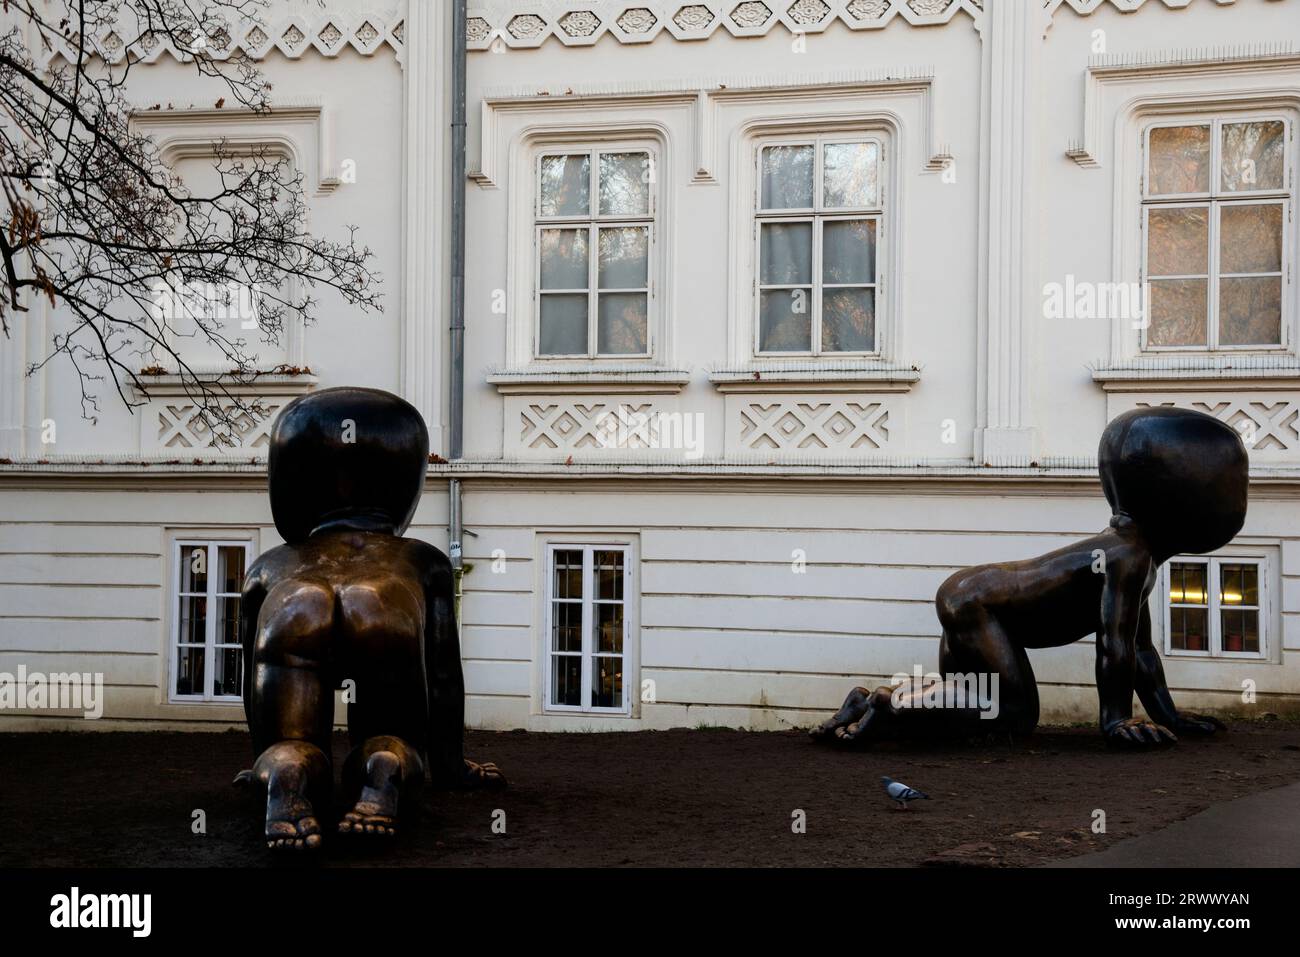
x=290, y=820
x=376, y=809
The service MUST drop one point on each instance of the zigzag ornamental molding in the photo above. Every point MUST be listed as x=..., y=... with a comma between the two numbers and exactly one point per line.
x=182, y=427
x=522, y=24
x=1085, y=7
x=812, y=426
x=1269, y=423
x=365, y=28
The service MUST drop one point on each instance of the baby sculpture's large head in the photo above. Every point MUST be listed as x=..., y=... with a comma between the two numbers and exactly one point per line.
x=347, y=453
x=1180, y=476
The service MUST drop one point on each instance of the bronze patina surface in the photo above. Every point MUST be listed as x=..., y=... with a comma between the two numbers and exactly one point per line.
x=1177, y=483
x=347, y=602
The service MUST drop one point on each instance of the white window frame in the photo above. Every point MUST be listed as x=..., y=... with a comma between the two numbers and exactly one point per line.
x=1214, y=624
x=594, y=222
x=819, y=214
x=1215, y=200
x=184, y=547
x=588, y=549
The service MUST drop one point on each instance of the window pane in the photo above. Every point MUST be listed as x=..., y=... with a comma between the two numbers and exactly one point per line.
x=849, y=174
x=607, y=682
x=194, y=620
x=785, y=321
x=1187, y=584
x=564, y=258
x=1253, y=155
x=609, y=575
x=624, y=184
x=1178, y=241
x=228, y=621
x=1250, y=311
x=229, y=674
x=566, y=680
x=1179, y=160
x=786, y=254
x=1250, y=584
x=189, y=671
x=1195, y=628
x=231, y=560
x=1250, y=238
x=787, y=177
x=1177, y=309
x=849, y=251
x=566, y=186
x=848, y=320
x=609, y=627
x=568, y=574
x=1250, y=639
x=621, y=325
x=194, y=568
x=566, y=626
x=624, y=256
x=563, y=325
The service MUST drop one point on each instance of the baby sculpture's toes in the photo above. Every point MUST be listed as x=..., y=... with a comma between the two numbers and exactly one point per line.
x=291, y=824
x=375, y=812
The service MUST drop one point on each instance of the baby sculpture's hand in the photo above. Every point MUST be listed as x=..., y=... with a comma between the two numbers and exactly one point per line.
x=1200, y=724
x=1139, y=733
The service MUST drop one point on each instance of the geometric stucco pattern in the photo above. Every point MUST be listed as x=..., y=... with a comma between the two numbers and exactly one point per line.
x=498, y=24
x=1269, y=423
x=364, y=26
x=548, y=426
x=825, y=425
x=182, y=425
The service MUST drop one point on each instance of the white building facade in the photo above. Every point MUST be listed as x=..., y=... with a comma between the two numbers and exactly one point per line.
x=776, y=314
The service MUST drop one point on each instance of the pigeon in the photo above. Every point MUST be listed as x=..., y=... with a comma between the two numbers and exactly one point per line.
x=901, y=793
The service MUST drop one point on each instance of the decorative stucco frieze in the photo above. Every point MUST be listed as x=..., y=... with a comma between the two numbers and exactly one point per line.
x=582, y=22
x=812, y=425
x=364, y=27
x=1268, y=421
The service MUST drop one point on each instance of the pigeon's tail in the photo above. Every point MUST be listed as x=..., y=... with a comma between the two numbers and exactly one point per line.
x=922, y=794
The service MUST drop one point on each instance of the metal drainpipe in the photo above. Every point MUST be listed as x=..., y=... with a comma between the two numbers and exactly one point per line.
x=456, y=424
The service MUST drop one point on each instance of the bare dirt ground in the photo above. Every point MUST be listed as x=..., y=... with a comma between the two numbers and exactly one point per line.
x=673, y=798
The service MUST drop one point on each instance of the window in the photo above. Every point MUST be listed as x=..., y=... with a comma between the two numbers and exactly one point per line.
x=586, y=628
x=1215, y=607
x=817, y=227
x=1215, y=206
x=207, y=656
x=594, y=221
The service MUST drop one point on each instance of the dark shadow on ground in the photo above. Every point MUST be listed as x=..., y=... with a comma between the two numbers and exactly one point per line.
x=668, y=798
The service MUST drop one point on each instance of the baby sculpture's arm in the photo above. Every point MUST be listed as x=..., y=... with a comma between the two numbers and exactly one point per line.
x=1123, y=603
x=1153, y=692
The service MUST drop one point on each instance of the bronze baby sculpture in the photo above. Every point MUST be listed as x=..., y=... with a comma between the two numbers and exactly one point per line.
x=347, y=602
x=1177, y=482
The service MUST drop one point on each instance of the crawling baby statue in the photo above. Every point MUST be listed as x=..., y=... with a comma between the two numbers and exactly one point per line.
x=348, y=602
x=1177, y=482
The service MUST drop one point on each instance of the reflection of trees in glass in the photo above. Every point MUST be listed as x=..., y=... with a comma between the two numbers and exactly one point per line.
x=1178, y=241
x=848, y=320
x=1253, y=155
x=1177, y=310
x=565, y=185
x=1250, y=238
x=849, y=174
x=1180, y=160
x=787, y=176
x=624, y=189
x=1250, y=311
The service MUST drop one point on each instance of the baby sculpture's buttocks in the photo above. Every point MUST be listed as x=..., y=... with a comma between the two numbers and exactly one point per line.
x=348, y=603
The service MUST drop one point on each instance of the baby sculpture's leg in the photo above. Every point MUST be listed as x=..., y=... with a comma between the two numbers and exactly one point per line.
x=386, y=773
x=291, y=710
x=977, y=646
x=854, y=708
x=382, y=631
